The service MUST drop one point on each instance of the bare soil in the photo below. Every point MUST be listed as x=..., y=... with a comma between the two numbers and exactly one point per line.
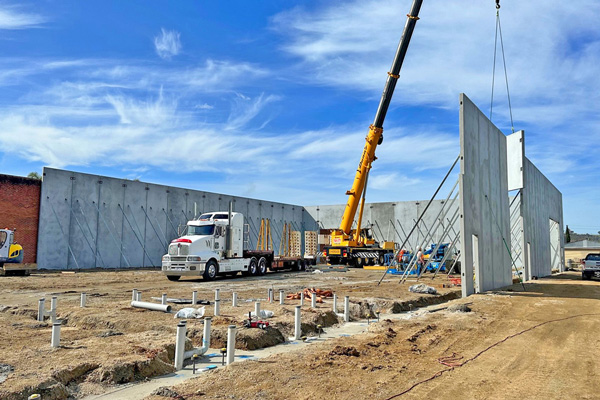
x=543, y=343
x=110, y=343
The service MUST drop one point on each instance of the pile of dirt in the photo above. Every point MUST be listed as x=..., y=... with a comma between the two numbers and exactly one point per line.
x=344, y=351
x=248, y=338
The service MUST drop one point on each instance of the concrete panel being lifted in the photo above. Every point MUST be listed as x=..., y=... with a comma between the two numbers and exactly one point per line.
x=515, y=153
x=485, y=222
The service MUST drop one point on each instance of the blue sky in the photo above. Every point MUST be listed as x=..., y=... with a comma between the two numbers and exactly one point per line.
x=272, y=99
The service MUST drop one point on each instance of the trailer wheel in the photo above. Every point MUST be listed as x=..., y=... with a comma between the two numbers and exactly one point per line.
x=210, y=270
x=359, y=262
x=381, y=259
x=253, y=267
x=173, y=277
x=262, y=266
x=301, y=265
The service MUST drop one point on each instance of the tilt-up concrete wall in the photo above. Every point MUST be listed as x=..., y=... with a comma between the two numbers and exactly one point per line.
x=91, y=221
x=484, y=207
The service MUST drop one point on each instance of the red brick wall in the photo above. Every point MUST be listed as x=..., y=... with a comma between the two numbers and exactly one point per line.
x=20, y=209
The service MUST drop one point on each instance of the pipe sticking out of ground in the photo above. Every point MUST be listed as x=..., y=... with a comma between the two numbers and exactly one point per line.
x=347, y=309
x=217, y=307
x=231, y=344
x=55, y=342
x=205, y=341
x=180, y=345
x=297, y=324
x=281, y=298
x=151, y=306
x=83, y=300
x=234, y=299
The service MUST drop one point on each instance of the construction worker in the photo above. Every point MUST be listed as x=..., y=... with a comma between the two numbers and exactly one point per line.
x=420, y=260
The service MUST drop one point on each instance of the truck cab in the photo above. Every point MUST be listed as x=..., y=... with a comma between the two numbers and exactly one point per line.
x=210, y=240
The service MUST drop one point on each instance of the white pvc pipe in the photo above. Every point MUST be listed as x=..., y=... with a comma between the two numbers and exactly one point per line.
x=134, y=295
x=302, y=299
x=194, y=298
x=138, y=296
x=55, y=334
x=83, y=300
x=151, y=306
x=230, y=344
x=297, y=324
x=335, y=303
x=180, y=345
x=41, y=309
x=234, y=300
x=217, y=294
x=163, y=299
x=205, y=341
x=217, y=308
x=257, y=309
x=313, y=300
x=53, y=306
x=347, y=309
x=271, y=295
x=281, y=298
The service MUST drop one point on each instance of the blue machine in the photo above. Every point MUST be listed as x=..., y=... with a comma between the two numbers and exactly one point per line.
x=436, y=259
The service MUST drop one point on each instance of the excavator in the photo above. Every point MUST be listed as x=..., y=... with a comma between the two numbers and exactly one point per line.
x=357, y=247
x=10, y=253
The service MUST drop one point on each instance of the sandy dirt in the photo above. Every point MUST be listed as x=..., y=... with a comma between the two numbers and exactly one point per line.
x=110, y=343
x=540, y=344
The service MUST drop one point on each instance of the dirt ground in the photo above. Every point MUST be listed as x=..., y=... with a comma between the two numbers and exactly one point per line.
x=540, y=344
x=110, y=343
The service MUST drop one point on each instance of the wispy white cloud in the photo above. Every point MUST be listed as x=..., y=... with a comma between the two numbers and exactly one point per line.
x=13, y=18
x=167, y=44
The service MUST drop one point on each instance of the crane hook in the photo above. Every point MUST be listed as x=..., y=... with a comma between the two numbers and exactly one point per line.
x=497, y=4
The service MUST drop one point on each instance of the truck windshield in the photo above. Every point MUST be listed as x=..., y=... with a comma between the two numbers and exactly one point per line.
x=200, y=230
x=593, y=257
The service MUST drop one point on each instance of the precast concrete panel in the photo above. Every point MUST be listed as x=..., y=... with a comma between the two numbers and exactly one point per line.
x=156, y=241
x=55, y=220
x=483, y=201
x=515, y=153
x=541, y=202
x=134, y=232
x=83, y=229
x=110, y=223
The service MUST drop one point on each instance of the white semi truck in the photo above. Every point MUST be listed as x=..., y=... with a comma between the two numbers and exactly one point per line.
x=213, y=245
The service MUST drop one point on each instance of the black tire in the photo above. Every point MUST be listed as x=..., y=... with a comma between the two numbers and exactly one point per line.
x=210, y=270
x=585, y=276
x=381, y=259
x=359, y=262
x=301, y=265
x=262, y=266
x=253, y=267
x=173, y=278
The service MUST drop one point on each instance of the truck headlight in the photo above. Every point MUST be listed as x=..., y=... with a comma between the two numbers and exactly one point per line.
x=193, y=258
x=166, y=258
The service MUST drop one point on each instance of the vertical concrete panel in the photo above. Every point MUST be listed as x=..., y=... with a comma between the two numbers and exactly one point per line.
x=541, y=203
x=156, y=242
x=484, y=200
x=515, y=153
x=110, y=223
x=83, y=223
x=52, y=251
x=134, y=223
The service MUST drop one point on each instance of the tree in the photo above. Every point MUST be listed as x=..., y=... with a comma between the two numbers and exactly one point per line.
x=34, y=175
x=568, y=235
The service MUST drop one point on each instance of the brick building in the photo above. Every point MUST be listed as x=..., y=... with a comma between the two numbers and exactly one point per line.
x=20, y=209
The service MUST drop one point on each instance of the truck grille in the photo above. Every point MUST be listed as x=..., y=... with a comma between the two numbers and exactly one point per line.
x=176, y=258
x=178, y=249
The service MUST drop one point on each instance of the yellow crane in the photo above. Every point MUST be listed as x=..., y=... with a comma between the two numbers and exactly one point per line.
x=356, y=246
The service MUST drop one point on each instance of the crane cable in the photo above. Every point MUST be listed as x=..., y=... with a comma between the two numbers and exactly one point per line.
x=499, y=30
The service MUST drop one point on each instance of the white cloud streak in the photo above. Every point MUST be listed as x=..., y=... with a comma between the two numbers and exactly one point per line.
x=167, y=44
x=11, y=18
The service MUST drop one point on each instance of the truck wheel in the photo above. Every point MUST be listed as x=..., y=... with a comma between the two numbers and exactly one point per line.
x=381, y=259
x=253, y=267
x=585, y=276
x=210, y=270
x=262, y=266
x=173, y=277
x=359, y=262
